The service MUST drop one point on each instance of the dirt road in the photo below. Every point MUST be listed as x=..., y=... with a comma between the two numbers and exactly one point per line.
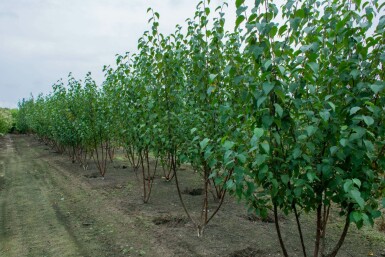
x=46, y=212
x=51, y=207
x=31, y=220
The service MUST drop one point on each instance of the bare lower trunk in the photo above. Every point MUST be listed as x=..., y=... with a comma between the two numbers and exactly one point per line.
x=319, y=230
x=205, y=218
x=323, y=234
x=299, y=229
x=337, y=247
x=147, y=175
x=284, y=251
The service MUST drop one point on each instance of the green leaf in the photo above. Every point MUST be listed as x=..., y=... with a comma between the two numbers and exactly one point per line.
x=356, y=195
x=241, y=158
x=281, y=70
x=347, y=185
x=285, y=179
x=279, y=92
x=239, y=20
x=230, y=184
x=267, y=87
x=354, y=110
x=357, y=182
x=263, y=172
x=260, y=101
x=282, y=29
x=204, y=143
x=298, y=191
x=333, y=150
x=355, y=73
x=212, y=77
x=302, y=137
x=258, y=132
x=273, y=32
x=344, y=142
x=383, y=202
x=217, y=180
x=193, y=130
x=297, y=153
x=278, y=109
x=325, y=115
x=207, y=11
x=356, y=216
x=210, y=90
x=311, y=176
x=266, y=147
x=267, y=120
x=299, y=13
x=376, y=88
x=238, y=3
x=241, y=10
x=333, y=106
x=311, y=130
x=368, y=120
x=382, y=57
x=228, y=145
x=267, y=64
x=369, y=145
x=314, y=66
x=259, y=159
x=358, y=3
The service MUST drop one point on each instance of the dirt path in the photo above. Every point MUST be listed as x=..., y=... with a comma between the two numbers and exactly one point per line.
x=51, y=207
x=45, y=212
x=31, y=223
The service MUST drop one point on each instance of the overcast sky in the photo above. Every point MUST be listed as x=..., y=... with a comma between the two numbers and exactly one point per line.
x=42, y=41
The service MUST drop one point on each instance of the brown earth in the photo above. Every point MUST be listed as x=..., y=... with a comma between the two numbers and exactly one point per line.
x=51, y=207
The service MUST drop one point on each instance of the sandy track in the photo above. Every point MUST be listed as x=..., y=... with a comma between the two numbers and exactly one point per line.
x=32, y=223
x=45, y=212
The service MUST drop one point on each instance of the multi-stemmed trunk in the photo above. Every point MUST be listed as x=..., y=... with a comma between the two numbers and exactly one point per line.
x=322, y=217
x=100, y=156
x=148, y=174
x=205, y=218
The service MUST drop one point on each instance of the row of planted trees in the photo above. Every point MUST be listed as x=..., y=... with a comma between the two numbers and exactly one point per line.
x=72, y=119
x=285, y=112
x=7, y=120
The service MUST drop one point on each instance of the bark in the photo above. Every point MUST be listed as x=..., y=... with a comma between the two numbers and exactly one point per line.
x=319, y=231
x=284, y=251
x=299, y=229
x=337, y=247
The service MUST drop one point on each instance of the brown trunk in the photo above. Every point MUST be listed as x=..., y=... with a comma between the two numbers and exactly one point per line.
x=144, y=178
x=284, y=251
x=337, y=247
x=146, y=174
x=299, y=229
x=182, y=201
x=319, y=230
x=325, y=221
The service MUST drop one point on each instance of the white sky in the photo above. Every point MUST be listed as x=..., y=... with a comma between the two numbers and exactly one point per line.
x=42, y=41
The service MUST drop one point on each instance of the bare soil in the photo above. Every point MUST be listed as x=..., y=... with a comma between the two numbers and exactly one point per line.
x=52, y=207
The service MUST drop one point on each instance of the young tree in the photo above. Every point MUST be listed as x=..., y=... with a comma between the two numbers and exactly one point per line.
x=318, y=136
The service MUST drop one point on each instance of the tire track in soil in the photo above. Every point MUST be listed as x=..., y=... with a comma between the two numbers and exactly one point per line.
x=30, y=225
x=47, y=210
